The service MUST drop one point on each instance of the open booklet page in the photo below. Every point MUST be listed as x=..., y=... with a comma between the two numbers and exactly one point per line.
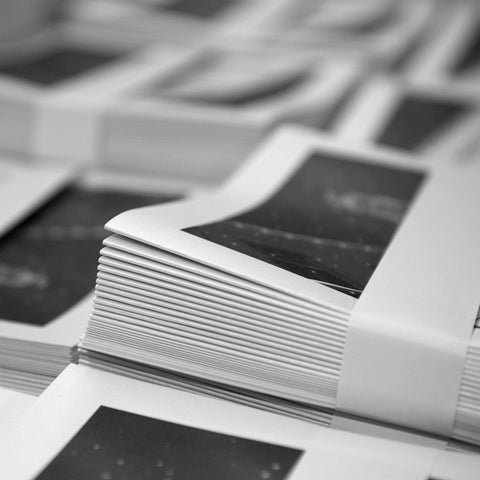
x=262, y=287
x=98, y=425
x=12, y=406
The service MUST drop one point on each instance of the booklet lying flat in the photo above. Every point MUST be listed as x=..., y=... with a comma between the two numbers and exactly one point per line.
x=320, y=274
x=91, y=424
x=52, y=229
x=436, y=121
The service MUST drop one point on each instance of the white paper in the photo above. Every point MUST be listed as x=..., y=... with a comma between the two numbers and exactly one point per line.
x=65, y=407
x=12, y=406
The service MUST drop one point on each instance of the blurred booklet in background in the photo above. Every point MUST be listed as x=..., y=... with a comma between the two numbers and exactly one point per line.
x=432, y=120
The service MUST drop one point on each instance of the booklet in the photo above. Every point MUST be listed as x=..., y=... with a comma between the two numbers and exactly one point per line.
x=435, y=121
x=12, y=406
x=91, y=424
x=54, y=89
x=48, y=260
x=312, y=276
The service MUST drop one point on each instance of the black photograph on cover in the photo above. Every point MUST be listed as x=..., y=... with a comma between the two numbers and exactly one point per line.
x=202, y=9
x=418, y=120
x=48, y=263
x=118, y=445
x=469, y=58
x=51, y=67
x=330, y=222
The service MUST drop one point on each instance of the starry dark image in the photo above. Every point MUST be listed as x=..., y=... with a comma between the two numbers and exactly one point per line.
x=49, y=262
x=57, y=65
x=419, y=119
x=331, y=222
x=470, y=57
x=117, y=445
x=203, y=9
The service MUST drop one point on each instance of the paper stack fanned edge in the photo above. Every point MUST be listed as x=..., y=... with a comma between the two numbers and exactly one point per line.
x=388, y=356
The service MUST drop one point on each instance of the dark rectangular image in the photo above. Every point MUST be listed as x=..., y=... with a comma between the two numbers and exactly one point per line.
x=330, y=222
x=417, y=120
x=118, y=445
x=49, y=262
x=58, y=65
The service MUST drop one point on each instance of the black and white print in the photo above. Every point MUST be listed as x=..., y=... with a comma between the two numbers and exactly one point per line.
x=331, y=222
x=117, y=445
x=418, y=120
x=49, y=262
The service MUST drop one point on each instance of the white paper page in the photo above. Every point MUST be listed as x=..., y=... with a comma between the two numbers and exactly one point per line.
x=12, y=406
x=334, y=456
x=24, y=186
x=75, y=397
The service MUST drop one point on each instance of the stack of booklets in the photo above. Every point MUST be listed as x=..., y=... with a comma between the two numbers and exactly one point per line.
x=92, y=424
x=51, y=231
x=171, y=110
x=322, y=277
